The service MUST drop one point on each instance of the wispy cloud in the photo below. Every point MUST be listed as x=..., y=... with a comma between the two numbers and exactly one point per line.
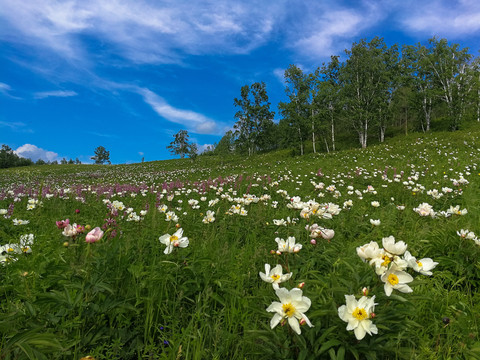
x=140, y=30
x=6, y=89
x=109, y=136
x=34, y=153
x=440, y=17
x=192, y=120
x=329, y=28
x=56, y=93
x=15, y=126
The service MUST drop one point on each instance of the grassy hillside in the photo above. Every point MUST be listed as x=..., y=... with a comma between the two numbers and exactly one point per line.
x=131, y=296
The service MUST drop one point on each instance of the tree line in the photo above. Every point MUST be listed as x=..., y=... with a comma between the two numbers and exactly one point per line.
x=8, y=158
x=377, y=91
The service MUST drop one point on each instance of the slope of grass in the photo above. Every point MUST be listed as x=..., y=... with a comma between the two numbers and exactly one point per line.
x=124, y=298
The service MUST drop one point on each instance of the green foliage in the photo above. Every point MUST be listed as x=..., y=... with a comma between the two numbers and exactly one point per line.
x=9, y=159
x=102, y=156
x=181, y=146
x=377, y=91
x=254, y=129
x=124, y=298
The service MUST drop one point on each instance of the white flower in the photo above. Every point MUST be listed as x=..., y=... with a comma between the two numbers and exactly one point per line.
x=375, y=203
x=288, y=246
x=280, y=222
x=396, y=279
x=422, y=266
x=170, y=216
x=368, y=251
x=70, y=230
x=209, y=218
x=3, y=211
x=274, y=276
x=175, y=240
x=455, y=210
x=162, y=208
x=292, y=307
x=424, y=209
x=357, y=314
x=20, y=222
x=375, y=222
x=466, y=234
x=394, y=248
x=327, y=234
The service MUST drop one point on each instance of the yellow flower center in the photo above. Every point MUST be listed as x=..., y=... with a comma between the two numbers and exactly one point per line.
x=173, y=238
x=419, y=263
x=360, y=314
x=386, y=260
x=275, y=277
x=393, y=279
x=10, y=250
x=288, y=309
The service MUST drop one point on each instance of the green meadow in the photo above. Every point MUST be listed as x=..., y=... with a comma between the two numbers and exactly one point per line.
x=128, y=295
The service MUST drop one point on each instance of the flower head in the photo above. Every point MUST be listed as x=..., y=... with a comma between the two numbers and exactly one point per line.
x=274, y=276
x=357, y=313
x=422, y=266
x=288, y=246
x=394, y=248
x=94, y=235
x=175, y=240
x=396, y=279
x=292, y=308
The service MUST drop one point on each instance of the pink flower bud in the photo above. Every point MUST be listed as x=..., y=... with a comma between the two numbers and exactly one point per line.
x=328, y=234
x=301, y=285
x=302, y=321
x=94, y=235
x=313, y=242
x=365, y=291
x=77, y=211
x=372, y=315
x=272, y=252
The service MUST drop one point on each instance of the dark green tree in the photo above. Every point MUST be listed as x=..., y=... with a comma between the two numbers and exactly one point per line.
x=181, y=146
x=298, y=111
x=366, y=84
x=254, y=126
x=226, y=145
x=102, y=156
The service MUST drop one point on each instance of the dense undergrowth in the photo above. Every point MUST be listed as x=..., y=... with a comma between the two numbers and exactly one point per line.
x=122, y=297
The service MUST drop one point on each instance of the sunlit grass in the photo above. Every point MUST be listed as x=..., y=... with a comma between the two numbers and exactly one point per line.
x=123, y=298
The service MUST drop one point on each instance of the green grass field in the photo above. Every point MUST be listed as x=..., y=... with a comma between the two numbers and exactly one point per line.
x=123, y=297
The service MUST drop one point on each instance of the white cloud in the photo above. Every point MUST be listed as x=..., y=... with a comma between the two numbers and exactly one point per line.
x=141, y=30
x=192, y=120
x=141, y=153
x=34, y=153
x=279, y=74
x=16, y=126
x=6, y=89
x=440, y=17
x=328, y=29
x=202, y=148
x=56, y=93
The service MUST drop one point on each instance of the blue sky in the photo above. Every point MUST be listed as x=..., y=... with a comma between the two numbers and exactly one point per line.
x=128, y=74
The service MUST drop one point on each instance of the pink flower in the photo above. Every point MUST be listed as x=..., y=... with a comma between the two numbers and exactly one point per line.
x=80, y=229
x=62, y=223
x=77, y=211
x=94, y=235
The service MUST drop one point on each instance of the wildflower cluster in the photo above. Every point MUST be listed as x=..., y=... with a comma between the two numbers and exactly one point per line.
x=389, y=264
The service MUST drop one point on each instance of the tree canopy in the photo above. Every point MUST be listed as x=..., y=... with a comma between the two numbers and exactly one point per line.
x=102, y=156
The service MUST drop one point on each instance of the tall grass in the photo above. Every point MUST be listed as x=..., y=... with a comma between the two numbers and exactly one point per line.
x=123, y=298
